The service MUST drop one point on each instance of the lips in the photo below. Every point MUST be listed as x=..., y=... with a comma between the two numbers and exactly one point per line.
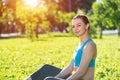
x=77, y=32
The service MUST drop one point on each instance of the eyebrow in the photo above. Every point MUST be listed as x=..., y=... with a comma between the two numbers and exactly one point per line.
x=77, y=24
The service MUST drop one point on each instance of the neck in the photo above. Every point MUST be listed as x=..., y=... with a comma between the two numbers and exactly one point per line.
x=84, y=37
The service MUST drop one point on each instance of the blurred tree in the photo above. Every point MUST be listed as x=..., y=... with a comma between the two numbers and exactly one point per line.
x=113, y=13
x=85, y=5
x=6, y=18
x=74, y=5
x=64, y=21
x=50, y=1
x=98, y=18
x=58, y=19
x=1, y=18
x=32, y=17
x=51, y=14
x=106, y=15
x=67, y=5
x=11, y=4
x=52, y=20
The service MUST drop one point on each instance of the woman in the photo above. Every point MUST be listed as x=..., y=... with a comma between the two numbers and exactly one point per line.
x=82, y=65
x=83, y=61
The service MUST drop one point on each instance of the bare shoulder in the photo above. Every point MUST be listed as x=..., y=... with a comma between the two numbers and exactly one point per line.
x=91, y=45
x=90, y=48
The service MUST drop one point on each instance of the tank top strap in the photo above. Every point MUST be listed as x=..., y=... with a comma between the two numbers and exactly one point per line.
x=85, y=43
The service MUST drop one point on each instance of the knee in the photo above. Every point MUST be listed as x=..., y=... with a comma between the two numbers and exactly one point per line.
x=49, y=78
x=50, y=66
x=46, y=65
x=28, y=78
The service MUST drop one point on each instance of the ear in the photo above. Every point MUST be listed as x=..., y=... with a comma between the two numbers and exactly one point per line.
x=87, y=26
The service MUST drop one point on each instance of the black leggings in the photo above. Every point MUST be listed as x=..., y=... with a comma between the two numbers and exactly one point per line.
x=45, y=71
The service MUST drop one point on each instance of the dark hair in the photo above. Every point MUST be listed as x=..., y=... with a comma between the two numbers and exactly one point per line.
x=84, y=19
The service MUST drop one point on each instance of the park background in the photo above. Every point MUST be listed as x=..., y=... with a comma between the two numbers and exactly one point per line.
x=38, y=32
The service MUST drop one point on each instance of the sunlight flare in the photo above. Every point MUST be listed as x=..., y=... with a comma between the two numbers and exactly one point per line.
x=32, y=2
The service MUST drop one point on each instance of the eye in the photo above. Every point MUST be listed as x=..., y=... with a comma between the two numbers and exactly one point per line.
x=78, y=25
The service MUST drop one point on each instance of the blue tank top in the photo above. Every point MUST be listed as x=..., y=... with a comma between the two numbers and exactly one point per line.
x=78, y=55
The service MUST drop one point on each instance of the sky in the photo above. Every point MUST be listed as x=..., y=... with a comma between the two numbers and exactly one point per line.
x=98, y=0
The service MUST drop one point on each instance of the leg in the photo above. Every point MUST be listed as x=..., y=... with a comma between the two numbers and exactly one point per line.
x=43, y=72
x=53, y=78
x=28, y=78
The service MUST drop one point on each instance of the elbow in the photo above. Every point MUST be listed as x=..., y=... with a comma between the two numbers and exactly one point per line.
x=81, y=72
x=70, y=69
x=77, y=75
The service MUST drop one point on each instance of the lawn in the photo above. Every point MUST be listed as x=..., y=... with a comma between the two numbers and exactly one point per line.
x=19, y=57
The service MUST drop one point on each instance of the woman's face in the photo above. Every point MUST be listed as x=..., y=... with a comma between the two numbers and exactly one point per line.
x=79, y=27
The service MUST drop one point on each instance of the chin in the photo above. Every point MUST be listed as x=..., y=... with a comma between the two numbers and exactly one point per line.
x=77, y=35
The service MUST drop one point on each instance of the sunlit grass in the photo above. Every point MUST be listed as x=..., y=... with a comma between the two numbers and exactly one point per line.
x=19, y=57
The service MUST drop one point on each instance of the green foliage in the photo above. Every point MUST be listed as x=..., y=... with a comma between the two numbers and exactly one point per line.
x=31, y=17
x=46, y=25
x=106, y=15
x=85, y=5
x=67, y=18
x=6, y=15
x=21, y=58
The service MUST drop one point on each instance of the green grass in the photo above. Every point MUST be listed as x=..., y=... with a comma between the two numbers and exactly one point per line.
x=19, y=57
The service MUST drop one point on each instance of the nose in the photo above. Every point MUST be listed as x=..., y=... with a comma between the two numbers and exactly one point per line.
x=75, y=28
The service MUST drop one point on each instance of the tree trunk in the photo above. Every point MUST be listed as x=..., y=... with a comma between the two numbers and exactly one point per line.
x=119, y=31
x=101, y=31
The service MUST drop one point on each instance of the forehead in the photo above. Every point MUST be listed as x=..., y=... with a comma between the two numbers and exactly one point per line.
x=77, y=21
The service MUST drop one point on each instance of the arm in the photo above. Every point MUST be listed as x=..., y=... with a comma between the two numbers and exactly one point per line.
x=88, y=53
x=66, y=71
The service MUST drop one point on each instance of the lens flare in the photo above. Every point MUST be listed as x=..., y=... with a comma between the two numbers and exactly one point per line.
x=32, y=2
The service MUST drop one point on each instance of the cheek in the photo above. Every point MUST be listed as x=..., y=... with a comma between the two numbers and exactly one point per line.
x=83, y=28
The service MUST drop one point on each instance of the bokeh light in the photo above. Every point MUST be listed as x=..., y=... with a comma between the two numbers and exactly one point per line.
x=33, y=3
